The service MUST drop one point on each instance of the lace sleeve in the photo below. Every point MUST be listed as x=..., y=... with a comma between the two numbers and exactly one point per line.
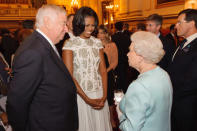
x=68, y=45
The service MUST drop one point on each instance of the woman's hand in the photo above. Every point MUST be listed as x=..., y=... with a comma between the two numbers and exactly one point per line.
x=95, y=103
x=9, y=70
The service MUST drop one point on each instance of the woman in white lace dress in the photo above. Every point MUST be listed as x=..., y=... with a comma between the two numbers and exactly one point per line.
x=83, y=55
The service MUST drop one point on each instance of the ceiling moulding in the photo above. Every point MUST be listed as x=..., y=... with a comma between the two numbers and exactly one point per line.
x=15, y=18
x=141, y=18
x=130, y=19
x=168, y=3
x=170, y=16
x=129, y=15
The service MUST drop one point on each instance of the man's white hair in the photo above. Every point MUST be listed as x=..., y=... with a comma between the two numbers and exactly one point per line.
x=148, y=45
x=51, y=11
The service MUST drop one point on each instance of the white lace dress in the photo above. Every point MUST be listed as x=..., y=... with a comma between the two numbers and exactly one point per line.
x=85, y=70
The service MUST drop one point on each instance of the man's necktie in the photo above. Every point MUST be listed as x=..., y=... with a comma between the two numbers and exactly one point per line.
x=182, y=44
x=178, y=51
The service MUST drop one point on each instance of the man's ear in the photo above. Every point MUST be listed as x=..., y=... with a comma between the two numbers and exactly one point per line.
x=47, y=22
x=192, y=23
x=158, y=27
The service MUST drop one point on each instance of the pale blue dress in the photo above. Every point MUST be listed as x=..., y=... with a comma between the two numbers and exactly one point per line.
x=147, y=103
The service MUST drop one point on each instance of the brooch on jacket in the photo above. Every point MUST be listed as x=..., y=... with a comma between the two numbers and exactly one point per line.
x=186, y=49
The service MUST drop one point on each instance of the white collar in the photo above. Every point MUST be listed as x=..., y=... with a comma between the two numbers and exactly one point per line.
x=50, y=42
x=158, y=34
x=190, y=39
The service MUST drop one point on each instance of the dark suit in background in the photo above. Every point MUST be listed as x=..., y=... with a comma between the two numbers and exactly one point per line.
x=61, y=43
x=169, y=49
x=8, y=47
x=172, y=39
x=122, y=42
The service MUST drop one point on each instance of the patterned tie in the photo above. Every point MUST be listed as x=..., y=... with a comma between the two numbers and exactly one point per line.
x=182, y=44
x=179, y=50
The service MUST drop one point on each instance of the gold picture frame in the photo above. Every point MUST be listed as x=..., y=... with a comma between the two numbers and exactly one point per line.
x=167, y=3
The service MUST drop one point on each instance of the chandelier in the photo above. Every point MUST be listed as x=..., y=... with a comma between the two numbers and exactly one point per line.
x=74, y=5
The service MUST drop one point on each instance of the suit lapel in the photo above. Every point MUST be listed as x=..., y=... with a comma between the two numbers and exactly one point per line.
x=182, y=52
x=58, y=61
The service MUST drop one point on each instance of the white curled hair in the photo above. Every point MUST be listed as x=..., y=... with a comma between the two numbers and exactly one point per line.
x=51, y=11
x=148, y=45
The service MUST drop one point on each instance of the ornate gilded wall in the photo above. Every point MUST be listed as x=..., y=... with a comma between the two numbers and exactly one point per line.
x=130, y=11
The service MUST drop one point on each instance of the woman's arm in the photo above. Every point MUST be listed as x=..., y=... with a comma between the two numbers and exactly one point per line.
x=103, y=72
x=112, y=56
x=134, y=107
x=67, y=56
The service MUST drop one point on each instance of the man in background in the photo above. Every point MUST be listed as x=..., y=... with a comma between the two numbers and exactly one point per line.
x=153, y=24
x=172, y=36
x=67, y=35
x=183, y=73
x=122, y=42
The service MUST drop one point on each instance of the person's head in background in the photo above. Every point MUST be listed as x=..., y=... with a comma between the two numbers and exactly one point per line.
x=23, y=34
x=103, y=33
x=119, y=26
x=141, y=27
x=28, y=24
x=173, y=29
x=85, y=22
x=69, y=22
x=51, y=20
x=4, y=31
x=126, y=26
x=154, y=23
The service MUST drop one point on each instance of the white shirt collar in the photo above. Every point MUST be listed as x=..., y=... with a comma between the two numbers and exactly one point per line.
x=190, y=39
x=172, y=34
x=158, y=34
x=50, y=42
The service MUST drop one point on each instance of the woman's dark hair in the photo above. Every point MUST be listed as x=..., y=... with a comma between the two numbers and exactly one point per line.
x=79, y=19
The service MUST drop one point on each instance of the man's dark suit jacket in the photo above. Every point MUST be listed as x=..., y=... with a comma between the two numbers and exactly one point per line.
x=8, y=47
x=172, y=39
x=169, y=49
x=183, y=74
x=122, y=42
x=61, y=43
x=42, y=94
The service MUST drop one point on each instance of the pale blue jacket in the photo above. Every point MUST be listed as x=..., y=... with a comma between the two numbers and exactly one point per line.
x=147, y=103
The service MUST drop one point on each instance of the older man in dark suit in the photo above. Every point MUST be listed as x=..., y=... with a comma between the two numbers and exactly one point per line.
x=183, y=73
x=42, y=95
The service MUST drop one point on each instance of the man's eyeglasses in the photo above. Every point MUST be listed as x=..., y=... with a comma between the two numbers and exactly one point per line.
x=180, y=22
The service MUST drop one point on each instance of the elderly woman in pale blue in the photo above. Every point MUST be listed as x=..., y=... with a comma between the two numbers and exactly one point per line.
x=147, y=103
